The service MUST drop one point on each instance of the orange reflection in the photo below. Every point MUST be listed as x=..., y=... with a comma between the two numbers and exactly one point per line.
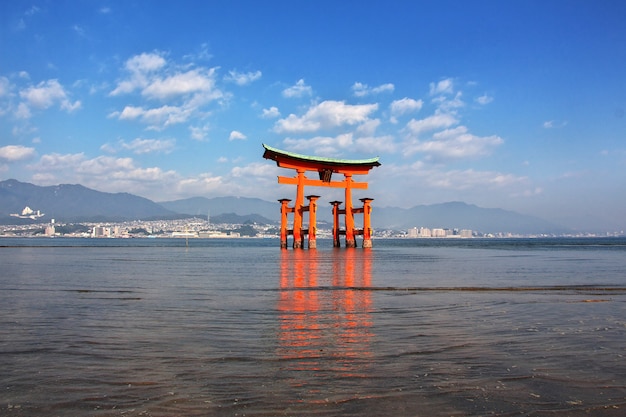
x=325, y=310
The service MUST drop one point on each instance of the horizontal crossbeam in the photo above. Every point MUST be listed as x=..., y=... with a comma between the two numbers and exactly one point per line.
x=320, y=183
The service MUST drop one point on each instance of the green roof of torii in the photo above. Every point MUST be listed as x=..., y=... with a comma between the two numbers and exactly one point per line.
x=271, y=153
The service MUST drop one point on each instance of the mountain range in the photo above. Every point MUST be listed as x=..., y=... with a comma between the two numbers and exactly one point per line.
x=76, y=203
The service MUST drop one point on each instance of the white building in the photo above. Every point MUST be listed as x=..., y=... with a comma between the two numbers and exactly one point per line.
x=438, y=232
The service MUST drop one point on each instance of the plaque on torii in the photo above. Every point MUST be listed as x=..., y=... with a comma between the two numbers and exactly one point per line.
x=325, y=167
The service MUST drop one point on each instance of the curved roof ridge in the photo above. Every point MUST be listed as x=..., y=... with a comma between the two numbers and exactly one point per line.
x=321, y=159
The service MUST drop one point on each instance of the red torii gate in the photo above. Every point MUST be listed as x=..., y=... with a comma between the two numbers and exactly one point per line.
x=325, y=167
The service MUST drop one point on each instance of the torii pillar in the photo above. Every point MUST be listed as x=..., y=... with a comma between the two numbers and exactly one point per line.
x=312, y=209
x=284, y=210
x=298, y=237
x=350, y=242
x=367, y=222
x=336, y=231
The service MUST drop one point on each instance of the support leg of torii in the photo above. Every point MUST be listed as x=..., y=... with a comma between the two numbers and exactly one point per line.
x=312, y=220
x=284, y=210
x=336, y=242
x=297, y=214
x=367, y=223
x=350, y=242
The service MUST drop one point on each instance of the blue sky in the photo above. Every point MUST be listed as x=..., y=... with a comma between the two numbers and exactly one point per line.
x=511, y=104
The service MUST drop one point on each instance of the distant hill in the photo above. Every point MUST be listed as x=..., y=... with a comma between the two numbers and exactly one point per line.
x=463, y=216
x=242, y=206
x=233, y=218
x=74, y=203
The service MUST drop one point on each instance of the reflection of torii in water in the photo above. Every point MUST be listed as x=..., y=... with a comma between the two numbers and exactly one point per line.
x=325, y=313
x=325, y=167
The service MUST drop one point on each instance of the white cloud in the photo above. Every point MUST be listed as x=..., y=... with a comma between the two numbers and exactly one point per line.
x=362, y=90
x=199, y=133
x=456, y=143
x=105, y=173
x=80, y=31
x=45, y=95
x=335, y=146
x=404, y=106
x=156, y=118
x=375, y=145
x=427, y=177
x=129, y=112
x=270, y=113
x=436, y=121
x=145, y=62
x=21, y=22
x=55, y=161
x=235, y=135
x=107, y=166
x=446, y=104
x=443, y=92
x=471, y=179
x=553, y=124
x=108, y=148
x=144, y=146
x=326, y=115
x=321, y=145
x=529, y=192
x=300, y=89
x=184, y=92
x=484, y=99
x=13, y=153
x=32, y=10
x=442, y=87
x=368, y=128
x=22, y=111
x=203, y=54
x=113, y=174
x=139, y=66
x=5, y=86
x=241, y=78
x=69, y=106
x=128, y=86
x=255, y=170
x=294, y=124
x=383, y=88
x=24, y=130
x=181, y=84
x=201, y=184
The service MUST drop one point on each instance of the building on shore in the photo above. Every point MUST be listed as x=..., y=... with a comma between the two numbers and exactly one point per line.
x=28, y=213
x=420, y=232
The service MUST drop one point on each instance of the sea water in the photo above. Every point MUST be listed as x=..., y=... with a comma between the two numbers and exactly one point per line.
x=208, y=327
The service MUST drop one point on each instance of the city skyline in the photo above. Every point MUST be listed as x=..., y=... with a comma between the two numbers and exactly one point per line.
x=517, y=105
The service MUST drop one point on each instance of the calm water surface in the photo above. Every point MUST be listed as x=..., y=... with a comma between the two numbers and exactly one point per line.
x=150, y=327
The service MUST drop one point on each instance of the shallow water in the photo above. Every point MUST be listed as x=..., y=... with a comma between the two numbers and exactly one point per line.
x=240, y=327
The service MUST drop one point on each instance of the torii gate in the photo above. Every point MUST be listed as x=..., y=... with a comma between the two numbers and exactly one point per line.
x=325, y=167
